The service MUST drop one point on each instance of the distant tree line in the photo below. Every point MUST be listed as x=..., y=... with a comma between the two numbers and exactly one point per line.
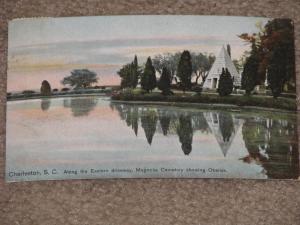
x=178, y=67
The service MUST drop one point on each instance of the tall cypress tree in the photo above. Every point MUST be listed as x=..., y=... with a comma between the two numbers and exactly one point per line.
x=184, y=70
x=250, y=74
x=276, y=71
x=45, y=88
x=225, y=83
x=164, y=83
x=278, y=45
x=130, y=74
x=148, y=79
x=135, y=72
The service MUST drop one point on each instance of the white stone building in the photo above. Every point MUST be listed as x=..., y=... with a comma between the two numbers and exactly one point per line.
x=223, y=60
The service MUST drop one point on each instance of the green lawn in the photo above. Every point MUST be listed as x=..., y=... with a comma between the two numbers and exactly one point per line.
x=210, y=98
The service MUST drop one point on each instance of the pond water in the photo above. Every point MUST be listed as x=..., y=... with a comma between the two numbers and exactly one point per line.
x=92, y=137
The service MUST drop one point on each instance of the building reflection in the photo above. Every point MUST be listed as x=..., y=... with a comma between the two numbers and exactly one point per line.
x=224, y=126
x=271, y=144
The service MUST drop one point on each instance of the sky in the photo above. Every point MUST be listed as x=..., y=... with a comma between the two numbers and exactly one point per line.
x=49, y=48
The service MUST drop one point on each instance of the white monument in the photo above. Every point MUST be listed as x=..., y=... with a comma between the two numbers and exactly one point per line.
x=223, y=60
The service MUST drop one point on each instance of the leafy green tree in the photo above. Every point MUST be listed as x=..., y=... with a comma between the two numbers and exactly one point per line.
x=135, y=73
x=201, y=64
x=125, y=73
x=278, y=46
x=250, y=73
x=184, y=70
x=45, y=88
x=130, y=74
x=274, y=52
x=148, y=78
x=276, y=71
x=80, y=78
x=168, y=60
x=239, y=64
x=225, y=83
x=164, y=83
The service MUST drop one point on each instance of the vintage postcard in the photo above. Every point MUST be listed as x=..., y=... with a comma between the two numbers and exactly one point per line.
x=151, y=97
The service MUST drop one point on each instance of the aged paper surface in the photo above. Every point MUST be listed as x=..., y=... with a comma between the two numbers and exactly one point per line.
x=145, y=201
x=151, y=97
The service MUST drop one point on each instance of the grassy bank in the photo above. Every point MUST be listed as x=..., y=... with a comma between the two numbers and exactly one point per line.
x=70, y=93
x=239, y=100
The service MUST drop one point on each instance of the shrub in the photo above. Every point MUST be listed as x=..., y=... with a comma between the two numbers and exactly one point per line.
x=28, y=92
x=138, y=91
x=45, y=88
x=225, y=83
x=266, y=102
x=164, y=83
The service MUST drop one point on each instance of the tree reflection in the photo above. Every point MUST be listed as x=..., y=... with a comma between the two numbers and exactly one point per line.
x=164, y=120
x=200, y=123
x=45, y=104
x=81, y=106
x=128, y=113
x=185, y=133
x=226, y=125
x=254, y=136
x=131, y=118
x=148, y=121
x=273, y=145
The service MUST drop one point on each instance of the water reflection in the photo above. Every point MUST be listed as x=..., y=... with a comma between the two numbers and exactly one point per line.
x=80, y=106
x=271, y=141
x=185, y=133
x=164, y=121
x=224, y=126
x=148, y=122
x=180, y=123
x=45, y=104
x=273, y=145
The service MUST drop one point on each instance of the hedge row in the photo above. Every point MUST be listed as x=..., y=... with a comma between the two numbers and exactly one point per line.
x=260, y=101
